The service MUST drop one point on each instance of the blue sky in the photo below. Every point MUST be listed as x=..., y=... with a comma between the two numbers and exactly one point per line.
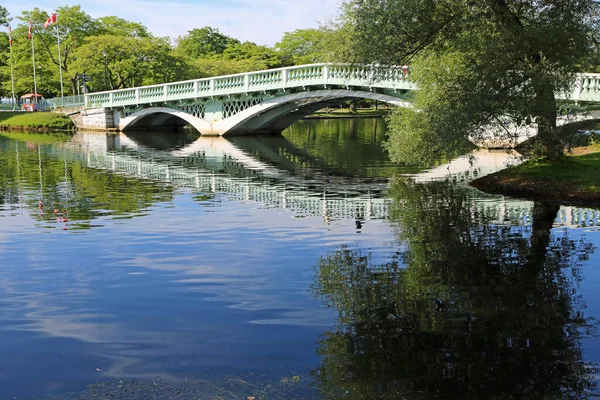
x=259, y=21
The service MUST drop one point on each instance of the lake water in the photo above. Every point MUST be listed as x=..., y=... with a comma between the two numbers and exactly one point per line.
x=301, y=266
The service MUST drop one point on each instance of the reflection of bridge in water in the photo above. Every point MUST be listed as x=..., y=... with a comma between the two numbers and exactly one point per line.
x=219, y=167
x=216, y=166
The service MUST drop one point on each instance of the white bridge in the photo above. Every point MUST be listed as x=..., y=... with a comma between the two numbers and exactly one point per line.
x=261, y=101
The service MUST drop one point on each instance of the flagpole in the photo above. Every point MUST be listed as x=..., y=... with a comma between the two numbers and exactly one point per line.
x=33, y=58
x=62, y=94
x=12, y=72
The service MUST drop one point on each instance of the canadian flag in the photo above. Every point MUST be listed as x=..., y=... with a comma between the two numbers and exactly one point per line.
x=50, y=21
x=30, y=31
x=10, y=35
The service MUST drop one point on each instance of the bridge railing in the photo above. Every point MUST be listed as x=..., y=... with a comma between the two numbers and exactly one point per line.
x=275, y=79
x=586, y=88
x=67, y=101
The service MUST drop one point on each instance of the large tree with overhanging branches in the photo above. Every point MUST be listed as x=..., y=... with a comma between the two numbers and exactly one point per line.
x=478, y=64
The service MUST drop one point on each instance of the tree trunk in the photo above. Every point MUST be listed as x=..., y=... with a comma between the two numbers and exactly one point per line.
x=545, y=111
x=73, y=85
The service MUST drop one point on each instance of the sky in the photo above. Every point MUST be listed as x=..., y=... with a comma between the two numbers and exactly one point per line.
x=260, y=21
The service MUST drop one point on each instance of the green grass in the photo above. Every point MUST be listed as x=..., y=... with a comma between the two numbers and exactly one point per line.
x=35, y=120
x=575, y=179
x=582, y=171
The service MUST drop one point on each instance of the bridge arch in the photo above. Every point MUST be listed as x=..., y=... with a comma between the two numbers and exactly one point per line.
x=276, y=114
x=157, y=115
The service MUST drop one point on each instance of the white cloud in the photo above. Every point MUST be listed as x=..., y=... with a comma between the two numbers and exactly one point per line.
x=259, y=21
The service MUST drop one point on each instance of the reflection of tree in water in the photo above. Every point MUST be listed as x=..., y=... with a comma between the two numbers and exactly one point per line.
x=44, y=180
x=467, y=309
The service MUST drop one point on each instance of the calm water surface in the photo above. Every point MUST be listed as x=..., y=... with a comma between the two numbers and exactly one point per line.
x=301, y=266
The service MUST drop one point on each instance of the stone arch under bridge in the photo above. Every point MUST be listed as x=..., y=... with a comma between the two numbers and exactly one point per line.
x=268, y=114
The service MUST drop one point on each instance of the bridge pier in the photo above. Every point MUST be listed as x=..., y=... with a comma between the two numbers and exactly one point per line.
x=97, y=118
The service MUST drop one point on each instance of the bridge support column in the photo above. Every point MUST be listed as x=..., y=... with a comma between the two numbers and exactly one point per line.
x=98, y=118
x=213, y=111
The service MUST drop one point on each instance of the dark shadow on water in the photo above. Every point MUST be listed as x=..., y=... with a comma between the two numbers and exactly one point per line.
x=164, y=140
x=466, y=309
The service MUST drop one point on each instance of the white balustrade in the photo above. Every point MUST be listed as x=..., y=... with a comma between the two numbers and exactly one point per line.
x=585, y=88
x=302, y=76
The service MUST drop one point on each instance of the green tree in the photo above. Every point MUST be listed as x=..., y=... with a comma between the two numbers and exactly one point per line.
x=4, y=54
x=73, y=26
x=4, y=16
x=477, y=64
x=207, y=67
x=116, y=26
x=302, y=46
x=248, y=51
x=116, y=62
x=23, y=67
x=202, y=42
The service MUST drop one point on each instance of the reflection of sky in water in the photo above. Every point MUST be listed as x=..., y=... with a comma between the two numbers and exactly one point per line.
x=188, y=287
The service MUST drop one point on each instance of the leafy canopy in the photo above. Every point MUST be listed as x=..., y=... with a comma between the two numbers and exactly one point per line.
x=204, y=42
x=478, y=64
x=302, y=46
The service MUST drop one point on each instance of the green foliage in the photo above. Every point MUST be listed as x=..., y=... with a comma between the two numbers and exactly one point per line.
x=302, y=46
x=482, y=68
x=4, y=16
x=116, y=53
x=202, y=42
x=116, y=26
x=5, y=89
x=35, y=120
x=133, y=55
x=207, y=67
x=572, y=175
x=252, y=52
x=116, y=62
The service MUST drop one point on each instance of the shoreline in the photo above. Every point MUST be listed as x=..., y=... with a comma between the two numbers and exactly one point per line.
x=37, y=122
x=572, y=181
x=532, y=191
x=347, y=116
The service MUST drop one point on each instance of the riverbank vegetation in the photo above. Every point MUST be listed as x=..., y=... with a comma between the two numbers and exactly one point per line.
x=35, y=121
x=574, y=179
x=112, y=53
x=483, y=68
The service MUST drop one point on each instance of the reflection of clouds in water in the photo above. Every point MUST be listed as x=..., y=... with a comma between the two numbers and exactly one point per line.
x=238, y=269
x=228, y=274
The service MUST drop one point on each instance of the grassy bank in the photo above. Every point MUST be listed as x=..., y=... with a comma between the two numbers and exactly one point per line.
x=574, y=180
x=35, y=121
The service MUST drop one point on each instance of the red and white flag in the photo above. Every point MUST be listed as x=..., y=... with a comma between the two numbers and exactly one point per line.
x=10, y=35
x=50, y=21
x=30, y=31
